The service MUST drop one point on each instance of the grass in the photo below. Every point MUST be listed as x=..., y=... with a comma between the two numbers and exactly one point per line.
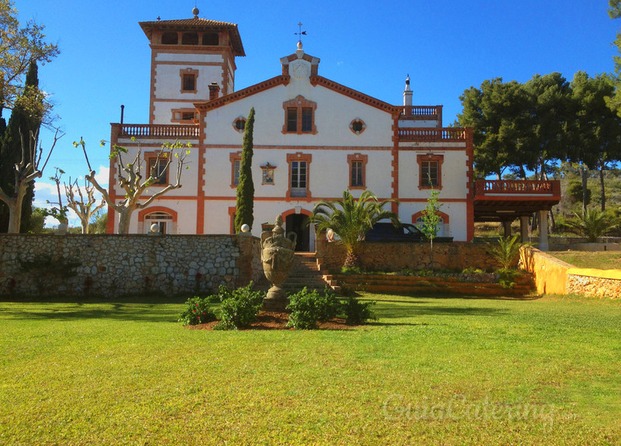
x=585, y=259
x=430, y=371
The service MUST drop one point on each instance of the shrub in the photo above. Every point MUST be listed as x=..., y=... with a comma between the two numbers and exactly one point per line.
x=506, y=277
x=197, y=311
x=507, y=251
x=357, y=312
x=239, y=308
x=310, y=307
x=351, y=270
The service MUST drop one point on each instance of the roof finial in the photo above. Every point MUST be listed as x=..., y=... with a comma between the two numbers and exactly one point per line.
x=300, y=33
x=195, y=11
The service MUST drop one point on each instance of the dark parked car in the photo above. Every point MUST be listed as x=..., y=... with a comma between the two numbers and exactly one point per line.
x=387, y=232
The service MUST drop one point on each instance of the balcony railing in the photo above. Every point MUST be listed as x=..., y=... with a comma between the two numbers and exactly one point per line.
x=432, y=135
x=422, y=112
x=550, y=188
x=158, y=131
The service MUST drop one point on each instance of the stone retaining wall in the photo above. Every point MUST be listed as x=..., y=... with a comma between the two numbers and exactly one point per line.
x=116, y=265
x=399, y=256
x=594, y=282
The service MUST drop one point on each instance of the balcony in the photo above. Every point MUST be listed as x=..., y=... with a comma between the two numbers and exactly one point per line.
x=422, y=112
x=433, y=135
x=507, y=199
x=167, y=131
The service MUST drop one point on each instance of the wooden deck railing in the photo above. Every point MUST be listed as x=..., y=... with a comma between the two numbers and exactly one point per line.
x=517, y=187
x=158, y=131
x=432, y=134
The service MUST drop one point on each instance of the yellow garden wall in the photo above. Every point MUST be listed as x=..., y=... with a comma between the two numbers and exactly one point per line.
x=553, y=276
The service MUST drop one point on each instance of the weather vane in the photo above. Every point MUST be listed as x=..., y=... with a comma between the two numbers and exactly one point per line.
x=300, y=33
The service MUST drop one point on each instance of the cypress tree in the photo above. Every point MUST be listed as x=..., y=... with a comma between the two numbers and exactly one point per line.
x=245, y=187
x=25, y=120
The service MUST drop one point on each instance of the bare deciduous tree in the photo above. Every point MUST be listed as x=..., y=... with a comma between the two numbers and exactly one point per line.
x=84, y=204
x=130, y=176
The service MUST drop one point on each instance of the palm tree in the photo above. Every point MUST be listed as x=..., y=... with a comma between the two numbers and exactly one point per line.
x=351, y=219
x=592, y=224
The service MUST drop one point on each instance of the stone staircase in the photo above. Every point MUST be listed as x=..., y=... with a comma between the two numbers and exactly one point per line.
x=306, y=273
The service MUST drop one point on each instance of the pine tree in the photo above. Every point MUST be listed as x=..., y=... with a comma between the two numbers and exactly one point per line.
x=245, y=187
x=25, y=120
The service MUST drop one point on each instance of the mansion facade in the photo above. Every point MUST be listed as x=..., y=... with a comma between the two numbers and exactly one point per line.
x=313, y=139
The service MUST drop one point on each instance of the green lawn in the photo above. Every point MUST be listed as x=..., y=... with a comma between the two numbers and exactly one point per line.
x=430, y=371
x=585, y=259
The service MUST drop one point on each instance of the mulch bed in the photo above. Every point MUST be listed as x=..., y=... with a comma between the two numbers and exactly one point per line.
x=269, y=320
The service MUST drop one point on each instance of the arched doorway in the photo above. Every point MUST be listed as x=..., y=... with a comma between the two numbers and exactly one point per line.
x=299, y=223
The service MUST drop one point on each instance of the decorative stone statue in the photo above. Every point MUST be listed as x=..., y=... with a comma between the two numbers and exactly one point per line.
x=277, y=255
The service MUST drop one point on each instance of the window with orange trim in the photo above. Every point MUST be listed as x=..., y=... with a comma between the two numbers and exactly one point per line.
x=235, y=165
x=299, y=172
x=430, y=171
x=184, y=115
x=299, y=116
x=357, y=170
x=188, y=80
x=157, y=167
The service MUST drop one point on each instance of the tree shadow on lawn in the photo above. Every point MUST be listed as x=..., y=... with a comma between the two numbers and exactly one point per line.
x=70, y=311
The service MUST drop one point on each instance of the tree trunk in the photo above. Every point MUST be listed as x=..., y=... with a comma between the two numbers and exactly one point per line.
x=15, y=217
x=585, y=194
x=15, y=211
x=602, y=188
x=124, y=220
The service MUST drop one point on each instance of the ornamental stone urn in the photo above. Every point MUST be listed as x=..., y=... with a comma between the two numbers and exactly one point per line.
x=277, y=256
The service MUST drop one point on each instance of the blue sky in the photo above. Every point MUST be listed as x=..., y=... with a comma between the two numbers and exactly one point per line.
x=445, y=46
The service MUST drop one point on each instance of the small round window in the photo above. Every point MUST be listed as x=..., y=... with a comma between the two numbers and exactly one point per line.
x=239, y=124
x=357, y=126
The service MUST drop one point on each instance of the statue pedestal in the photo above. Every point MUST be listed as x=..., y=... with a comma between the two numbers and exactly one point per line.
x=276, y=300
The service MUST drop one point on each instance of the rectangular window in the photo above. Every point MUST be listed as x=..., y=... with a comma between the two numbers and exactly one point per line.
x=188, y=81
x=357, y=174
x=299, y=116
x=292, y=119
x=235, y=158
x=298, y=178
x=158, y=170
x=429, y=173
x=236, y=165
x=307, y=119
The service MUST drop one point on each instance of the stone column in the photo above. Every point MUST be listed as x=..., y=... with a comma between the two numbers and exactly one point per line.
x=543, y=230
x=524, y=228
x=507, y=227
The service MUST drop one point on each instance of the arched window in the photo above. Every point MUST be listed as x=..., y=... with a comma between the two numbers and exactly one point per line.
x=443, y=224
x=158, y=222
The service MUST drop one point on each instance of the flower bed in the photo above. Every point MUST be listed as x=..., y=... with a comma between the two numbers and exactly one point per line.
x=485, y=284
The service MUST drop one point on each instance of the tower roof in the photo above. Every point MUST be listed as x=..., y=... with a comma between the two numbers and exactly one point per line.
x=196, y=24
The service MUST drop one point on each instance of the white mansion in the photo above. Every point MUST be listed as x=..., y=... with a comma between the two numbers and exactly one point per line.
x=313, y=139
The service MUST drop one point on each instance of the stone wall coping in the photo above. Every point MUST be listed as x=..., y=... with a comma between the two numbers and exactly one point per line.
x=614, y=274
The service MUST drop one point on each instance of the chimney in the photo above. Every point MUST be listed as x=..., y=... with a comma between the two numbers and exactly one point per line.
x=407, y=97
x=214, y=91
